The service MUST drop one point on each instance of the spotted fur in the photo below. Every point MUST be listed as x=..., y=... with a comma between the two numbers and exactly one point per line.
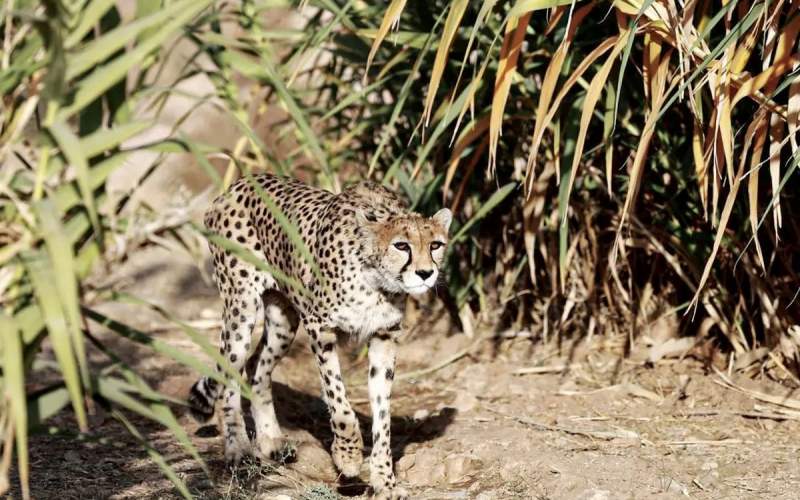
x=369, y=252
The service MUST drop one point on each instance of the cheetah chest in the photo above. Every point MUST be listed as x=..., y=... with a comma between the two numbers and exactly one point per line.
x=365, y=314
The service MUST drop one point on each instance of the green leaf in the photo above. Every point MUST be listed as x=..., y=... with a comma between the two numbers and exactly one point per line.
x=159, y=346
x=248, y=256
x=60, y=251
x=105, y=139
x=45, y=403
x=100, y=49
x=103, y=77
x=494, y=200
x=154, y=455
x=90, y=16
x=71, y=147
x=197, y=337
x=41, y=272
x=14, y=386
x=264, y=70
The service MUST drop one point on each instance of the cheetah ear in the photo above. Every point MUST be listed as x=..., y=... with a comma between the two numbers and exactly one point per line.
x=443, y=217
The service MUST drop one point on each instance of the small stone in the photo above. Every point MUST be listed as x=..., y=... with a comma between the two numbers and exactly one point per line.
x=465, y=402
x=421, y=414
x=428, y=469
x=406, y=462
x=458, y=467
x=676, y=487
x=709, y=466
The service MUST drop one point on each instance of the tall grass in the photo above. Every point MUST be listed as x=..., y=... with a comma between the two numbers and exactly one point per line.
x=607, y=162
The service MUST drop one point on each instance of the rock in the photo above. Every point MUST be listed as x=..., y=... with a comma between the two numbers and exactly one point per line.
x=458, y=467
x=670, y=348
x=314, y=462
x=676, y=487
x=421, y=414
x=428, y=469
x=465, y=402
x=406, y=462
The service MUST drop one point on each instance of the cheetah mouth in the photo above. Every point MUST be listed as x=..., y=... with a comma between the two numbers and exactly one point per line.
x=417, y=289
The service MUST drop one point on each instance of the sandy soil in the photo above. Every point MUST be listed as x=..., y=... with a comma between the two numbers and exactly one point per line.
x=586, y=424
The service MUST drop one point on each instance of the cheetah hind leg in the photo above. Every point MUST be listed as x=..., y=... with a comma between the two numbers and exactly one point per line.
x=280, y=326
x=202, y=398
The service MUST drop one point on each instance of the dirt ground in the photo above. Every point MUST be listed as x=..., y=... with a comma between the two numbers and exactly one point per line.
x=510, y=418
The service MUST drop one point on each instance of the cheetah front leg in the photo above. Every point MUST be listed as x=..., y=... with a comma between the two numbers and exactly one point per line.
x=347, y=448
x=381, y=375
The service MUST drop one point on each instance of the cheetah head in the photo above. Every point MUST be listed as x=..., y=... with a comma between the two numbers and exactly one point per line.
x=408, y=250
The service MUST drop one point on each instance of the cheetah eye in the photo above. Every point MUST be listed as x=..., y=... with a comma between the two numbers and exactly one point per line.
x=402, y=246
x=436, y=245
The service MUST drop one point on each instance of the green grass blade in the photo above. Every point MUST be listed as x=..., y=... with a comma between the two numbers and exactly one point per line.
x=246, y=255
x=494, y=200
x=104, y=77
x=41, y=273
x=105, y=139
x=13, y=383
x=154, y=455
x=404, y=94
x=264, y=70
x=46, y=403
x=71, y=147
x=98, y=50
x=159, y=346
x=60, y=251
x=155, y=402
x=289, y=228
x=90, y=16
x=196, y=337
x=67, y=196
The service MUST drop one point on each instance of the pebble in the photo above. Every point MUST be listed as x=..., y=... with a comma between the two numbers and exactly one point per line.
x=406, y=462
x=458, y=467
x=421, y=414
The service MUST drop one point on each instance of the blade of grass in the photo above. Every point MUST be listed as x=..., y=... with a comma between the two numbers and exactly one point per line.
x=589, y=104
x=60, y=251
x=506, y=69
x=107, y=75
x=494, y=200
x=71, y=148
x=390, y=17
x=451, y=24
x=154, y=455
x=13, y=383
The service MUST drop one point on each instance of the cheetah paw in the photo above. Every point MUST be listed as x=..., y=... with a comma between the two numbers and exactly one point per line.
x=236, y=450
x=348, y=457
x=276, y=449
x=395, y=493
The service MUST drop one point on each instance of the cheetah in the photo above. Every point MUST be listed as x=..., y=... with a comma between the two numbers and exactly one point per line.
x=364, y=253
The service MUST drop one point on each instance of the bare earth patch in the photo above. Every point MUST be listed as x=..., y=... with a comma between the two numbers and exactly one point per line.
x=508, y=419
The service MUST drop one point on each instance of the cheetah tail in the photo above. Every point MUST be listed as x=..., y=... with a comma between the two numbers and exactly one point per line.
x=202, y=397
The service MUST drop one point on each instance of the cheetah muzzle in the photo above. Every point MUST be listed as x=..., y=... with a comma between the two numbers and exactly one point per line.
x=364, y=252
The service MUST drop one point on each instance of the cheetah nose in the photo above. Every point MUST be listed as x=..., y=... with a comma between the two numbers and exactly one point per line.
x=424, y=274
